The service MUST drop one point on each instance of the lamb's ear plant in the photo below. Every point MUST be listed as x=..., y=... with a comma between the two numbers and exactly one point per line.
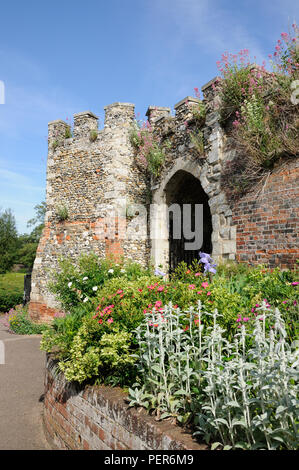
x=238, y=394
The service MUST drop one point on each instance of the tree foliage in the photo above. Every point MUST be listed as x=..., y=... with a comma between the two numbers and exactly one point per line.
x=8, y=240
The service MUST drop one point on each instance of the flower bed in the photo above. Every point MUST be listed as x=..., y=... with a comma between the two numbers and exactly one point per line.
x=121, y=336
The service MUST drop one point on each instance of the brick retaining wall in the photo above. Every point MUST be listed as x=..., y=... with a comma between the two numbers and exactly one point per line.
x=98, y=418
x=268, y=222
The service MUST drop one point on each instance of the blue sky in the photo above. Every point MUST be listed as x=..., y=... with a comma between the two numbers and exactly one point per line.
x=61, y=57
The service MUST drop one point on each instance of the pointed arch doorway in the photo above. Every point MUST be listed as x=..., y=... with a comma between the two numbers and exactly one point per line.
x=185, y=189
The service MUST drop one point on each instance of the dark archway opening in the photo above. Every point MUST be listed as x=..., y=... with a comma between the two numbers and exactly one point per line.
x=184, y=188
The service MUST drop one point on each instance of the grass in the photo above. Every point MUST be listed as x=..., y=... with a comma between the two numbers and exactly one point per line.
x=11, y=290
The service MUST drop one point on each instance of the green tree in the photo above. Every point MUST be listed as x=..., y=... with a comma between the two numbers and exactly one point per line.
x=8, y=240
x=38, y=220
x=28, y=243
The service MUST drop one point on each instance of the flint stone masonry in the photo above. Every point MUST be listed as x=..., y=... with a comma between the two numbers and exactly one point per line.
x=107, y=195
x=98, y=418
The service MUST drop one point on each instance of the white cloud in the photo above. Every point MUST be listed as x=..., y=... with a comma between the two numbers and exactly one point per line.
x=18, y=180
x=209, y=25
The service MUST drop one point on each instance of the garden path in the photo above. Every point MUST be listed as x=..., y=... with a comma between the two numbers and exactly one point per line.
x=21, y=392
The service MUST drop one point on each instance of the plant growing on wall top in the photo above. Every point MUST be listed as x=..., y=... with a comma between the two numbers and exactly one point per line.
x=199, y=111
x=149, y=149
x=198, y=119
x=55, y=144
x=68, y=133
x=93, y=135
x=62, y=213
x=256, y=107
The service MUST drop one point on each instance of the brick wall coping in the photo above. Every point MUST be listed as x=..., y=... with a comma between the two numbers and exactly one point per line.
x=98, y=418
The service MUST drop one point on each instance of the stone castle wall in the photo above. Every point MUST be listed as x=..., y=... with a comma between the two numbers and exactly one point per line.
x=107, y=195
x=94, y=181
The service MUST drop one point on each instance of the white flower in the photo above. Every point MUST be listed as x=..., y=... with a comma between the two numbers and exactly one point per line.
x=122, y=270
x=86, y=299
x=94, y=288
x=84, y=278
x=111, y=271
x=70, y=284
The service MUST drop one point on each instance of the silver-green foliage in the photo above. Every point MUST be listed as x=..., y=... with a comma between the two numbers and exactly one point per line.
x=239, y=395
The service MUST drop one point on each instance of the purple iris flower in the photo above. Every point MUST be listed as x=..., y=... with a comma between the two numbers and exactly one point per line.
x=206, y=259
x=159, y=273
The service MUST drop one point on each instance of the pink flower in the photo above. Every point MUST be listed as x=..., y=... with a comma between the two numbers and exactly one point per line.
x=119, y=291
x=245, y=319
x=295, y=283
x=110, y=320
x=197, y=94
x=205, y=284
x=199, y=292
x=160, y=289
x=158, y=303
x=239, y=319
x=191, y=286
x=197, y=274
x=209, y=293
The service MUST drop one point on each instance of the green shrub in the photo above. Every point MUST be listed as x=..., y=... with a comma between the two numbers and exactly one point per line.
x=98, y=354
x=58, y=337
x=74, y=284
